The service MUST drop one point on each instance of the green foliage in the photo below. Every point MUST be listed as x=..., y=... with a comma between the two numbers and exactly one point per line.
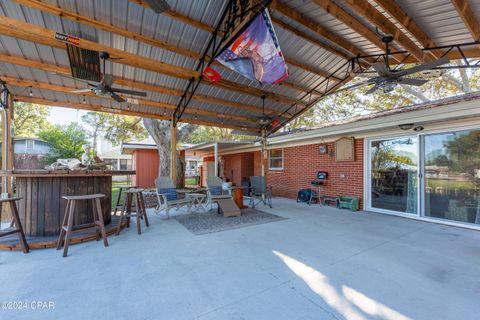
x=206, y=134
x=29, y=119
x=65, y=141
x=350, y=103
x=114, y=128
x=464, y=152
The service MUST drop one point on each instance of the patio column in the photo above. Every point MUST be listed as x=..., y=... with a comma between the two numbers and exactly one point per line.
x=173, y=155
x=7, y=146
x=215, y=158
x=264, y=150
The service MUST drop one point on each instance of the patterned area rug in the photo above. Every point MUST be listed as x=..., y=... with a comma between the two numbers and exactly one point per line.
x=211, y=221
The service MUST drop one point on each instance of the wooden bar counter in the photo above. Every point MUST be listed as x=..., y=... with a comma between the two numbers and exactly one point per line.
x=42, y=207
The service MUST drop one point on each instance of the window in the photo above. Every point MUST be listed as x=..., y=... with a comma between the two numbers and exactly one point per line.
x=125, y=164
x=29, y=144
x=275, y=159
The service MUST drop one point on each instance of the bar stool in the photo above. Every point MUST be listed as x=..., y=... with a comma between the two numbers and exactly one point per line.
x=16, y=225
x=120, y=205
x=68, y=228
x=133, y=195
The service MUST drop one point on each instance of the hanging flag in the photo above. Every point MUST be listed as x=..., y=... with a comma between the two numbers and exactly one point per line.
x=212, y=75
x=255, y=53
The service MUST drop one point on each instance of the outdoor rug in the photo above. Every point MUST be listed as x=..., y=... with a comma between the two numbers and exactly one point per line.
x=210, y=221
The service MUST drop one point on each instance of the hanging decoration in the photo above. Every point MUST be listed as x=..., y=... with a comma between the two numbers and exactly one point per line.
x=255, y=53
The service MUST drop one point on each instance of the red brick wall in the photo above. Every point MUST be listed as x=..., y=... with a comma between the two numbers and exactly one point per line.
x=238, y=166
x=302, y=163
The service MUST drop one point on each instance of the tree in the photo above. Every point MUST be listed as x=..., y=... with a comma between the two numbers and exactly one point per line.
x=65, y=141
x=159, y=130
x=29, y=119
x=207, y=134
x=115, y=128
x=350, y=103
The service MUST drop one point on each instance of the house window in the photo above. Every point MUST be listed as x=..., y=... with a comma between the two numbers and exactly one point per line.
x=275, y=159
x=29, y=144
x=125, y=164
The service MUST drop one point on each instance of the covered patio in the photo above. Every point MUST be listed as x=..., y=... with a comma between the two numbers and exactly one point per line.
x=172, y=61
x=319, y=263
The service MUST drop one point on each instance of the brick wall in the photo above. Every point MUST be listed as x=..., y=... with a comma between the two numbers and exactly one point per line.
x=302, y=163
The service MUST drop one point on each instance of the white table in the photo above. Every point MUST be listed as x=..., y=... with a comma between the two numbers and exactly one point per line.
x=198, y=200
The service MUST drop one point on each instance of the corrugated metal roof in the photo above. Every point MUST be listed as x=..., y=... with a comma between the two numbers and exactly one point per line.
x=438, y=18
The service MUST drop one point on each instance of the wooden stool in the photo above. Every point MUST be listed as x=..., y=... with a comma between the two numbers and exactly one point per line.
x=16, y=225
x=67, y=225
x=141, y=213
x=120, y=206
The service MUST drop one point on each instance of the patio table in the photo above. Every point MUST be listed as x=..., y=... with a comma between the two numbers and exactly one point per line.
x=198, y=200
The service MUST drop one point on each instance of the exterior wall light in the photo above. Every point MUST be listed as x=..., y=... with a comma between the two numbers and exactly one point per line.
x=406, y=126
x=418, y=128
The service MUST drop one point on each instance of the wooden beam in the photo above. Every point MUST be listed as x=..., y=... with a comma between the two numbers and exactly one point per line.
x=7, y=144
x=69, y=90
x=353, y=23
x=394, y=9
x=317, y=28
x=34, y=33
x=173, y=152
x=54, y=10
x=135, y=85
x=467, y=14
x=370, y=13
x=90, y=107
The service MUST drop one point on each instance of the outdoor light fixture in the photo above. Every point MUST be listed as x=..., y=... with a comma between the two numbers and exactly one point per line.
x=406, y=126
x=84, y=101
x=418, y=128
x=30, y=93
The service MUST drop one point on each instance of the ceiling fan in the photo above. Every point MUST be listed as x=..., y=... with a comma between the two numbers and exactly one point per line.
x=388, y=79
x=264, y=119
x=104, y=87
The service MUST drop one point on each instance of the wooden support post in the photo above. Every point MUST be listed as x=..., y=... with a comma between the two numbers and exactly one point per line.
x=215, y=158
x=7, y=145
x=264, y=151
x=173, y=153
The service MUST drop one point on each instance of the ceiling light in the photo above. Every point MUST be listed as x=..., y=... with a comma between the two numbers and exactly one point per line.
x=406, y=126
x=84, y=101
x=30, y=93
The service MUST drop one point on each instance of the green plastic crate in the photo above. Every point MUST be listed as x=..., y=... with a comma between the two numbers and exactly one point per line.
x=348, y=202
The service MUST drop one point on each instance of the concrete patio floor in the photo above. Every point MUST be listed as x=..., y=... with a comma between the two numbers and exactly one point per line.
x=321, y=263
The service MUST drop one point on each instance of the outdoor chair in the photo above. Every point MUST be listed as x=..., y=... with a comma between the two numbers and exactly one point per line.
x=167, y=196
x=259, y=191
x=215, y=191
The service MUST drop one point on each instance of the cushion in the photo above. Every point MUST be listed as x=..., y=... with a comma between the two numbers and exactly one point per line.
x=170, y=193
x=216, y=191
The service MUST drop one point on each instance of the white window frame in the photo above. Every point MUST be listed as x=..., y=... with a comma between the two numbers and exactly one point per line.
x=269, y=158
x=32, y=146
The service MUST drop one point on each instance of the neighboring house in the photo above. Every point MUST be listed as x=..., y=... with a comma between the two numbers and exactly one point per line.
x=419, y=161
x=29, y=153
x=117, y=161
x=145, y=162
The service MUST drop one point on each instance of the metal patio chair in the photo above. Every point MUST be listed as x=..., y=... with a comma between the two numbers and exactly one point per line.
x=259, y=191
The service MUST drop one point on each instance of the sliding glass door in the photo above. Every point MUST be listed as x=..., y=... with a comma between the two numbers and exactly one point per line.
x=452, y=176
x=393, y=174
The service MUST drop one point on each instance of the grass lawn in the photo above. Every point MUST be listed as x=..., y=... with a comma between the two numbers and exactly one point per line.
x=115, y=191
x=191, y=181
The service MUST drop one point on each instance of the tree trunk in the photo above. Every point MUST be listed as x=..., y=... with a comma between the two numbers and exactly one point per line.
x=417, y=94
x=159, y=130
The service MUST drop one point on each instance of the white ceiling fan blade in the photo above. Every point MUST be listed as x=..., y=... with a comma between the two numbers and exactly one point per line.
x=424, y=66
x=412, y=81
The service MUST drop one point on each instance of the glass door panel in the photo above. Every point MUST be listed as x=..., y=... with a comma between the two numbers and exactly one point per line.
x=452, y=176
x=393, y=179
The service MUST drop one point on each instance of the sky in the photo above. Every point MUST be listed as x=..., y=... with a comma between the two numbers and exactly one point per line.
x=63, y=116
